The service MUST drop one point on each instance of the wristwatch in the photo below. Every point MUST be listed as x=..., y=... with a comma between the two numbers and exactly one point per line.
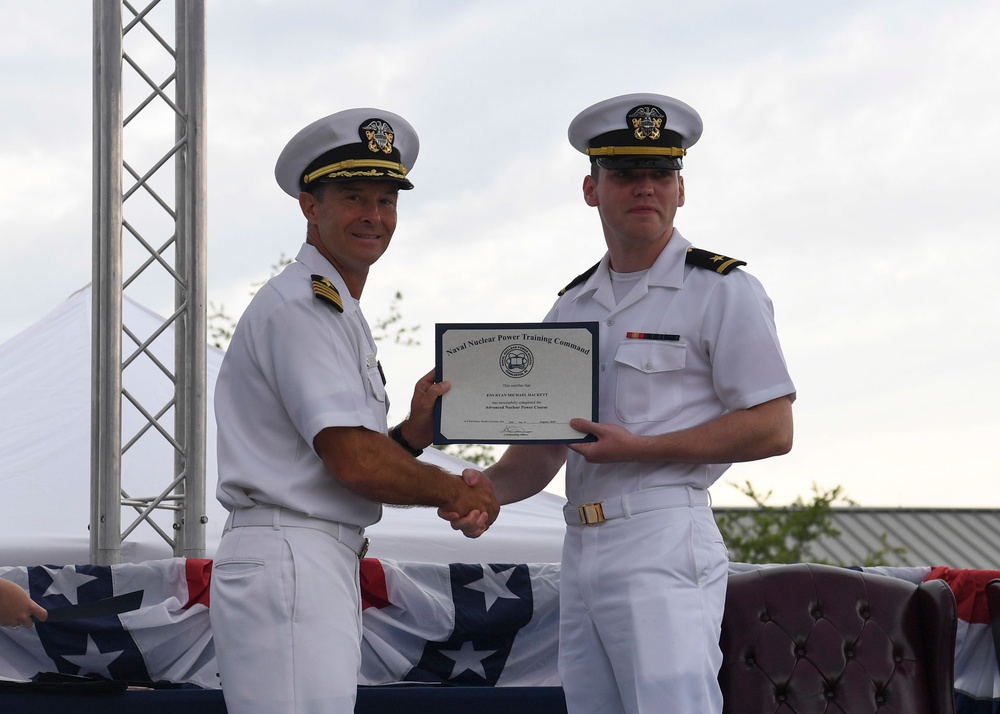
x=396, y=434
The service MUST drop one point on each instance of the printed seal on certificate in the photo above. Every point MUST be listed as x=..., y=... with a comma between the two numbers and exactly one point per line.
x=516, y=361
x=515, y=382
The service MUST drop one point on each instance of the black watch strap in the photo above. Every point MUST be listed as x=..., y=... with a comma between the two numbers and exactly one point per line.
x=396, y=434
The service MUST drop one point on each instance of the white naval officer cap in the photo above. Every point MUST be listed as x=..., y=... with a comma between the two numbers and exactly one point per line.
x=347, y=146
x=636, y=131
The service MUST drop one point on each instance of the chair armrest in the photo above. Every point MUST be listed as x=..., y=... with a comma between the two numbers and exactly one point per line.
x=938, y=610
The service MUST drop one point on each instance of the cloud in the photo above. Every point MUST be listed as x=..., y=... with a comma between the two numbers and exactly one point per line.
x=848, y=156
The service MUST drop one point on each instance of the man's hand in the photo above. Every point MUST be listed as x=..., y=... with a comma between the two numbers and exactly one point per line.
x=614, y=443
x=418, y=429
x=757, y=432
x=476, y=521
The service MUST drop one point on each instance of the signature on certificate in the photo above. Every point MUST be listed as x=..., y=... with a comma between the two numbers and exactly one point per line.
x=514, y=429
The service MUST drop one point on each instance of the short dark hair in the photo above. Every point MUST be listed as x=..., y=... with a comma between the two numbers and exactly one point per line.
x=318, y=189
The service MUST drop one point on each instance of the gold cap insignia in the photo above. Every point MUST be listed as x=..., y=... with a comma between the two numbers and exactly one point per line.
x=647, y=122
x=379, y=136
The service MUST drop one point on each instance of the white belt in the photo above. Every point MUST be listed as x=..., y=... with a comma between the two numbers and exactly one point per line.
x=351, y=536
x=590, y=514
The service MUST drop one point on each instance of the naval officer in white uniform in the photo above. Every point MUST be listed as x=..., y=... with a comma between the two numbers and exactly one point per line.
x=305, y=456
x=692, y=379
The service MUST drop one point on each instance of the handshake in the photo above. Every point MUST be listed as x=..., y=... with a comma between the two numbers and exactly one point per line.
x=475, y=507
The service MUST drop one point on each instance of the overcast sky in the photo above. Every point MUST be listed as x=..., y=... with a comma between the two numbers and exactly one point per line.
x=849, y=156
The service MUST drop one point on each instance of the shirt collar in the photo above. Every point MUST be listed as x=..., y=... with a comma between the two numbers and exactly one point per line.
x=316, y=264
x=667, y=270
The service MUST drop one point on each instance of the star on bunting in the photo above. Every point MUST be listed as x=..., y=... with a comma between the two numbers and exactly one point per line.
x=493, y=586
x=93, y=661
x=467, y=658
x=65, y=582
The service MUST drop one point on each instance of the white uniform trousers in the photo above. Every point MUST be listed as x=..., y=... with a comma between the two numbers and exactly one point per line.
x=641, y=601
x=286, y=620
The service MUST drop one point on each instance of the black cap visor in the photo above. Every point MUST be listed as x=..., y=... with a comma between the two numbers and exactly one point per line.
x=618, y=163
x=403, y=183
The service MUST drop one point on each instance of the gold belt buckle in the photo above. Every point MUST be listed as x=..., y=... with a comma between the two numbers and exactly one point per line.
x=592, y=513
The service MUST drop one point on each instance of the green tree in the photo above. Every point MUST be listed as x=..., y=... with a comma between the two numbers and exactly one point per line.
x=482, y=455
x=389, y=328
x=221, y=324
x=785, y=534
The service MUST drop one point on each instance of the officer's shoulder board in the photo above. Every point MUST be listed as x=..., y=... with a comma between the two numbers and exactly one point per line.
x=721, y=264
x=697, y=257
x=327, y=292
x=580, y=278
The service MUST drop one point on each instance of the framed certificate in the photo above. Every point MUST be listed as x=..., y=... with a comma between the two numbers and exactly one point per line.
x=515, y=383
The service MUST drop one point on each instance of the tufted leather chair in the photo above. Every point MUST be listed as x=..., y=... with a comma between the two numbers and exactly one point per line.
x=804, y=638
x=993, y=603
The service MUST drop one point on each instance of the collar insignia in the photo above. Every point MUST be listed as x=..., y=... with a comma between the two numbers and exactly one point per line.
x=327, y=292
x=647, y=122
x=379, y=136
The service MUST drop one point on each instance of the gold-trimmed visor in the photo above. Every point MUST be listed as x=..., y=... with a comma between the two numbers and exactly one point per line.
x=637, y=151
x=392, y=166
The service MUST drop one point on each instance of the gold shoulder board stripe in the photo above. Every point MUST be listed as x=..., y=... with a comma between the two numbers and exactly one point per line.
x=327, y=292
x=580, y=278
x=712, y=261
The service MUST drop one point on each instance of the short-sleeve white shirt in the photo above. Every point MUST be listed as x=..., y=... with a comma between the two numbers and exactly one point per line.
x=722, y=355
x=295, y=366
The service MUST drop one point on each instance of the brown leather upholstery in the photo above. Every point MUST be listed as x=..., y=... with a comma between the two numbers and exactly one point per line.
x=809, y=638
x=993, y=603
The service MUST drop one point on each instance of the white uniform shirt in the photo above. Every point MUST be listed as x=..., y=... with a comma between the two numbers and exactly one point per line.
x=295, y=366
x=726, y=357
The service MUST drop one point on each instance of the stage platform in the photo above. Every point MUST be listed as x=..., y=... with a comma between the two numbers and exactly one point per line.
x=371, y=700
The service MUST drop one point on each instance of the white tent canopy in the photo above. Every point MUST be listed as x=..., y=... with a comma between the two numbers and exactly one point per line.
x=45, y=379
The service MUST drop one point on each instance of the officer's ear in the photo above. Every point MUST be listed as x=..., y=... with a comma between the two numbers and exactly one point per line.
x=308, y=203
x=590, y=191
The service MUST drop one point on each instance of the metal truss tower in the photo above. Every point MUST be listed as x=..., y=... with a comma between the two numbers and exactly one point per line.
x=149, y=236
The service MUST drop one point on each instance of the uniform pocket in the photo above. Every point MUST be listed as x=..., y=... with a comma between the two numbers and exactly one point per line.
x=375, y=384
x=649, y=380
x=240, y=568
x=711, y=556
